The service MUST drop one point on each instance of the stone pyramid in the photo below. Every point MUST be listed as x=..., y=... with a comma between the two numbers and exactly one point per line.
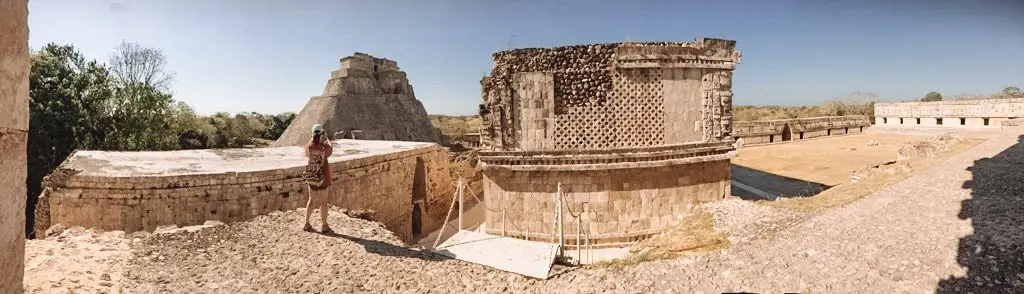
x=368, y=98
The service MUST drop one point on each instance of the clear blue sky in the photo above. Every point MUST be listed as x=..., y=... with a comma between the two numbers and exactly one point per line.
x=271, y=56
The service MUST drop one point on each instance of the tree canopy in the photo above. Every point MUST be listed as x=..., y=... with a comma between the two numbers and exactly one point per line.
x=1012, y=92
x=932, y=96
x=77, y=103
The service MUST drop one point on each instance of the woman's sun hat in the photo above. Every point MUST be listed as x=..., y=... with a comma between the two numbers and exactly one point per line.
x=317, y=128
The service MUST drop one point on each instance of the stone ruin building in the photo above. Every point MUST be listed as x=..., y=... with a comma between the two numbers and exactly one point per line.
x=14, y=71
x=405, y=183
x=634, y=133
x=950, y=114
x=783, y=130
x=369, y=98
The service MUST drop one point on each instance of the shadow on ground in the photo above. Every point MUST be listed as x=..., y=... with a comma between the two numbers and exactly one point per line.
x=994, y=253
x=387, y=249
x=770, y=186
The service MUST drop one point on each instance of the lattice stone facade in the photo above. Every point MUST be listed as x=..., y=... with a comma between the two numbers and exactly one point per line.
x=603, y=120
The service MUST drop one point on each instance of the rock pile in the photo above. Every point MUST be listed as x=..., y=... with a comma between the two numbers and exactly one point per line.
x=928, y=147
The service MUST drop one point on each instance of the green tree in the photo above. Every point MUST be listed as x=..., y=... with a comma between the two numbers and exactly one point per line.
x=278, y=124
x=932, y=96
x=144, y=115
x=132, y=64
x=79, y=104
x=68, y=99
x=1012, y=92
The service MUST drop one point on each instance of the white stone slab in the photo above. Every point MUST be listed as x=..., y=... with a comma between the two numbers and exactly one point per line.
x=216, y=161
x=528, y=258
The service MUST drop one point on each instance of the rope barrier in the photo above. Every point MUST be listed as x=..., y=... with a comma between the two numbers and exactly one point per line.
x=577, y=216
x=440, y=233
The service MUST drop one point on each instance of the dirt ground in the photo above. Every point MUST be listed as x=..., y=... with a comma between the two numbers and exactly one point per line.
x=826, y=161
x=963, y=236
x=76, y=261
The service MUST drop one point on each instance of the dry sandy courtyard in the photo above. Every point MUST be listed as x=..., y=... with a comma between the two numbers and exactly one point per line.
x=827, y=160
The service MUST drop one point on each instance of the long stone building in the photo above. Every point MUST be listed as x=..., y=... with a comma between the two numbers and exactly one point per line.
x=14, y=67
x=634, y=133
x=960, y=113
x=783, y=130
x=367, y=98
x=406, y=183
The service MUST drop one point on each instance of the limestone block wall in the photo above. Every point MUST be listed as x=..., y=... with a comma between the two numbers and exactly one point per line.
x=250, y=182
x=961, y=113
x=771, y=131
x=618, y=206
x=14, y=67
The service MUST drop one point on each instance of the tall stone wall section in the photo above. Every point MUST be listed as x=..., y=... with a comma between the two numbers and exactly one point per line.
x=618, y=206
x=14, y=68
x=609, y=96
x=634, y=133
x=960, y=113
x=386, y=184
x=783, y=130
x=367, y=98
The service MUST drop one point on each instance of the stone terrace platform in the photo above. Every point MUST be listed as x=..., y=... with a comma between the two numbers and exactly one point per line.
x=142, y=190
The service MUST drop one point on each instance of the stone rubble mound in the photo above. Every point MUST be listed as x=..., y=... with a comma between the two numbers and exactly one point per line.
x=925, y=148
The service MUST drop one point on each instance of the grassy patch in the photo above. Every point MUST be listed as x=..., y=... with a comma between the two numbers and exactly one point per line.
x=695, y=234
x=847, y=193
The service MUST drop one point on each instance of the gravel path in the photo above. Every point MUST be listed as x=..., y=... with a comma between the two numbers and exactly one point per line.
x=955, y=228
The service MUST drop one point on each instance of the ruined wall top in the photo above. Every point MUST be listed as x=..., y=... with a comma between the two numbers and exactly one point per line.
x=807, y=124
x=1001, y=108
x=955, y=102
x=363, y=61
x=613, y=95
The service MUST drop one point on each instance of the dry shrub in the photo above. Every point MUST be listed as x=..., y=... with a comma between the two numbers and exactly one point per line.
x=854, y=104
x=695, y=234
x=455, y=128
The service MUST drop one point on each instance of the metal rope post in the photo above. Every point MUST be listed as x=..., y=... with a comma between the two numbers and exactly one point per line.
x=558, y=215
x=445, y=223
x=461, y=208
x=579, y=250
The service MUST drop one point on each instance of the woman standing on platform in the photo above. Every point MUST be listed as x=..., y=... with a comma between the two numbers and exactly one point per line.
x=318, y=176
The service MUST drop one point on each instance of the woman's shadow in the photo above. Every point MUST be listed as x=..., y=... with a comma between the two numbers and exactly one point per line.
x=387, y=249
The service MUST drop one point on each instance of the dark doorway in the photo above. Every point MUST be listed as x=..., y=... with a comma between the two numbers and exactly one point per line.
x=787, y=133
x=771, y=138
x=417, y=220
x=419, y=193
x=419, y=180
x=801, y=135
